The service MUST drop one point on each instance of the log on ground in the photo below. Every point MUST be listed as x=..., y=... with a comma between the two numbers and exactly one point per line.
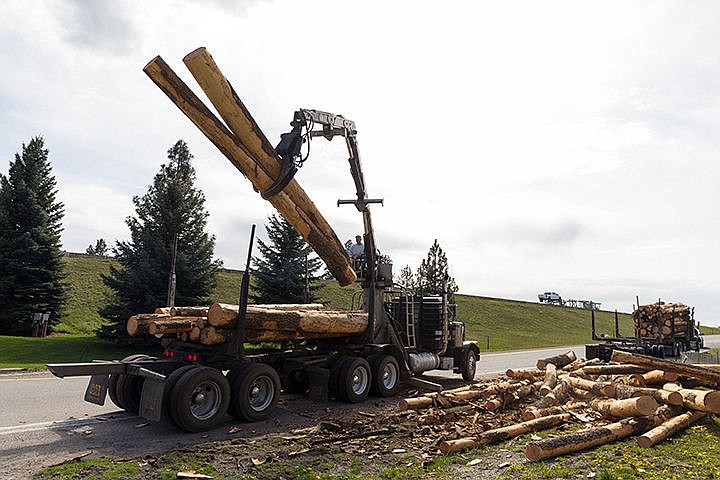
x=558, y=360
x=707, y=374
x=669, y=428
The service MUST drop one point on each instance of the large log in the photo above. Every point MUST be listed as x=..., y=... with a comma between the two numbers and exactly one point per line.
x=296, y=212
x=621, y=369
x=139, y=324
x=706, y=374
x=629, y=407
x=703, y=400
x=558, y=360
x=530, y=413
x=174, y=325
x=504, y=433
x=653, y=377
x=529, y=374
x=575, y=442
x=668, y=429
x=225, y=314
x=196, y=311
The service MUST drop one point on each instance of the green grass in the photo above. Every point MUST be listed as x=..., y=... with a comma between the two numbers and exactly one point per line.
x=34, y=353
x=87, y=294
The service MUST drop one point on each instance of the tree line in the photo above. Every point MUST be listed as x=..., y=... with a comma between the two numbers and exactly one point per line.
x=168, y=228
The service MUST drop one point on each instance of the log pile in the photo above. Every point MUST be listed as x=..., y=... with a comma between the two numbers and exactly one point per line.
x=660, y=320
x=602, y=397
x=264, y=323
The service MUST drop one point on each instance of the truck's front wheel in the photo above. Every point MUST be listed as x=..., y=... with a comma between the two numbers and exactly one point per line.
x=469, y=365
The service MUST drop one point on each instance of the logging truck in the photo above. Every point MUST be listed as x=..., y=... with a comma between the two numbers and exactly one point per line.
x=660, y=331
x=195, y=384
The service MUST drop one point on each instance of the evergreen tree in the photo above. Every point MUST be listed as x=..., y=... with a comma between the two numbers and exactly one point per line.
x=171, y=207
x=280, y=271
x=100, y=248
x=407, y=279
x=31, y=268
x=433, y=274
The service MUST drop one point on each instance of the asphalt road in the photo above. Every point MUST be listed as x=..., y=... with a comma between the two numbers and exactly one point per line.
x=44, y=419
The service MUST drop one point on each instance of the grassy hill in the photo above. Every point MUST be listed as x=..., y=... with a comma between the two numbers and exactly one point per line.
x=506, y=324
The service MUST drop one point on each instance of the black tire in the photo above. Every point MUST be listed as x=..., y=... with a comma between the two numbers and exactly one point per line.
x=469, y=365
x=170, y=382
x=354, y=380
x=335, y=372
x=385, y=375
x=199, y=399
x=255, y=392
x=125, y=390
x=231, y=375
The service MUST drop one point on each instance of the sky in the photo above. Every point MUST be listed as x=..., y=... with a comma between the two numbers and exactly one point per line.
x=547, y=146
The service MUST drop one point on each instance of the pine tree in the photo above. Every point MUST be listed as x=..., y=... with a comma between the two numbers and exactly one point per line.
x=100, y=248
x=172, y=206
x=407, y=279
x=31, y=268
x=280, y=271
x=433, y=274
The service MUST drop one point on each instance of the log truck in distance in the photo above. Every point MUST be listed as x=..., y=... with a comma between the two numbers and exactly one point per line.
x=406, y=335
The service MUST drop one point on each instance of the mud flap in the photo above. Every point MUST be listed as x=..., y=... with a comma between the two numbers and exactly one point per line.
x=151, y=399
x=97, y=389
x=319, y=379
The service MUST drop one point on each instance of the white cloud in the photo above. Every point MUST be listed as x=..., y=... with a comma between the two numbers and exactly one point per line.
x=565, y=146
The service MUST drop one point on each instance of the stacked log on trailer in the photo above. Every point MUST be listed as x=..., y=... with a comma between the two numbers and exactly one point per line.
x=242, y=141
x=215, y=324
x=661, y=320
x=589, y=403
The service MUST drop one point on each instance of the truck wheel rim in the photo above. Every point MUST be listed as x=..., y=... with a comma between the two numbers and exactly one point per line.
x=205, y=400
x=471, y=364
x=389, y=376
x=261, y=393
x=360, y=379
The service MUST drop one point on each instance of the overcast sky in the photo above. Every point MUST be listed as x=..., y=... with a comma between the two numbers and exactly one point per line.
x=563, y=146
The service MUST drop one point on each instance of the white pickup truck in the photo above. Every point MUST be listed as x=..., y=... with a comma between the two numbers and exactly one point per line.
x=550, y=297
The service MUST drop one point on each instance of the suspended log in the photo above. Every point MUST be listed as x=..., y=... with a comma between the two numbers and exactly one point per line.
x=575, y=442
x=558, y=360
x=597, y=388
x=668, y=429
x=173, y=325
x=138, y=324
x=703, y=400
x=224, y=314
x=504, y=433
x=629, y=407
x=706, y=374
x=530, y=413
x=300, y=212
x=550, y=379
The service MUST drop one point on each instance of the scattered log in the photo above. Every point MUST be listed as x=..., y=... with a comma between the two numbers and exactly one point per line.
x=504, y=433
x=629, y=407
x=703, y=400
x=690, y=370
x=300, y=211
x=558, y=395
x=502, y=402
x=558, y=360
x=530, y=413
x=550, y=379
x=627, y=391
x=531, y=374
x=597, y=388
x=575, y=442
x=581, y=395
x=578, y=364
x=653, y=377
x=668, y=429
x=619, y=369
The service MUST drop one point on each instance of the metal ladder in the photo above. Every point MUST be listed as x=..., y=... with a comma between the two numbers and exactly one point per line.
x=410, y=322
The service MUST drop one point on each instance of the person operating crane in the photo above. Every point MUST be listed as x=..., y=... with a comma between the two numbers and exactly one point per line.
x=357, y=249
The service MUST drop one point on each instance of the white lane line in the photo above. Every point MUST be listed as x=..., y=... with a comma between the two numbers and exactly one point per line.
x=70, y=423
x=534, y=350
